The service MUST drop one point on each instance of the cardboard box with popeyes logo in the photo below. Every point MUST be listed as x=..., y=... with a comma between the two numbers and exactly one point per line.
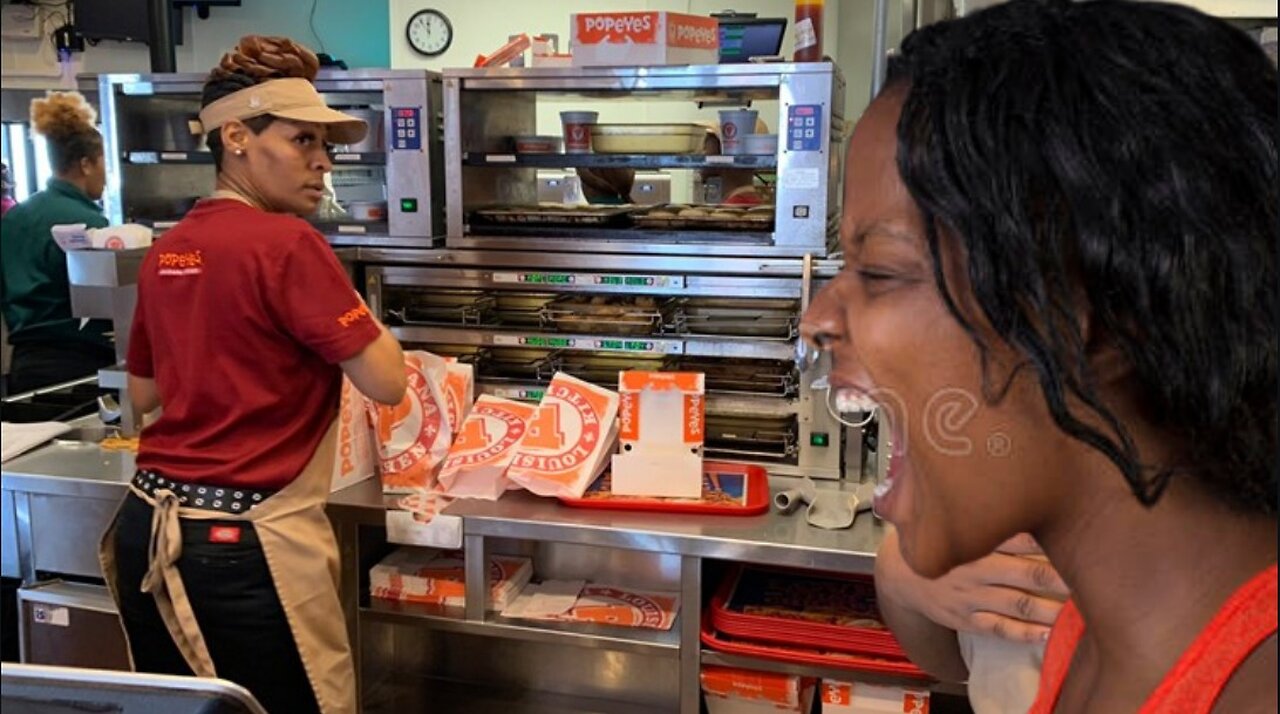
x=623, y=39
x=568, y=440
x=661, y=430
x=860, y=698
x=728, y=690
x=431, y=578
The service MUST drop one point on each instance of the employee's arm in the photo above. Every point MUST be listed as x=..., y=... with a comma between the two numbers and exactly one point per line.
x=378, y=370
x=143, y=394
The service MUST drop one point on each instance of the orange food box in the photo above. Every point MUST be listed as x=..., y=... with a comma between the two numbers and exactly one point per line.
x=661, y=427
x=414, y=436
x=568, y=439
x=739, y=691
x=477, y=462
x=624, y=607
x=861, y=698
x=614, y=39
x=430, y=578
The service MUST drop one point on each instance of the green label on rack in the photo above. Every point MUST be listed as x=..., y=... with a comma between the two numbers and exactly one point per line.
x=625, y=345
x=547, y=278
x=553, y=342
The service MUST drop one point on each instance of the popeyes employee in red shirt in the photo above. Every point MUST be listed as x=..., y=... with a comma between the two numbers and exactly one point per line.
x=221, y=558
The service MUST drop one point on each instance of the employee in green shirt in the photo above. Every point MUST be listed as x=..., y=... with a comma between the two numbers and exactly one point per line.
x=49, y=345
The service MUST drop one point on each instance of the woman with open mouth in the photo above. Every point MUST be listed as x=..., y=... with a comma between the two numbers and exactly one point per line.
x=1059, y=292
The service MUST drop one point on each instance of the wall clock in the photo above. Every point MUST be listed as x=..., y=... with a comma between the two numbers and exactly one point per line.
x=429, y=33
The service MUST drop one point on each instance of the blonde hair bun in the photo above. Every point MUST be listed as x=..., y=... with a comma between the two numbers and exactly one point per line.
x=60, y=115
x=262, y=58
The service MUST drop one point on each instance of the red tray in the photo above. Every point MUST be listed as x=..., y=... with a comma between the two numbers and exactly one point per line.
x=841, y=660
x=744, y=491
x=790, y=631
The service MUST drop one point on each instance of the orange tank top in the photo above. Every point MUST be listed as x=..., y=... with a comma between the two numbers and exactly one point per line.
x=1245, y=621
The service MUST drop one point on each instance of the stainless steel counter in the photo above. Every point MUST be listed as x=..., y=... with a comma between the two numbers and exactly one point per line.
x=770, y=538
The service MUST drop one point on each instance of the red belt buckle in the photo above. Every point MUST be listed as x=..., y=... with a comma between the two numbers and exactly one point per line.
x=224, y=534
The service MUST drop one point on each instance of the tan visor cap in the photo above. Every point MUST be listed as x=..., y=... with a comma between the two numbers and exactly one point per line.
x=294, y=99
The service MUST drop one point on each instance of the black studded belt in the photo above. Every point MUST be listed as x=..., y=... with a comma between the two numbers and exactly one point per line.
x=209, y=498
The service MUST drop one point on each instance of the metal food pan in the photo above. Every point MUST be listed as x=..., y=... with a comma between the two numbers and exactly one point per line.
x=648, y=138
x=747, y=222
x=521, y=309
x=560, y=216
x=605, y=314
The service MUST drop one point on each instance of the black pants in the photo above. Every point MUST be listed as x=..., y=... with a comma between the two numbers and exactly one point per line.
x=235, y=603
x=40, y=364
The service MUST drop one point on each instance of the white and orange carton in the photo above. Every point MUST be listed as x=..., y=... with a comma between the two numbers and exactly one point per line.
x=353, y=459
x=860, y=698
x=728, y=690
x=624, y=607
x=623, y=39
x=569, y=439
x=459, y=392
x=661, y=430
x=431, y=578
x=477, y=462
x=414, y=435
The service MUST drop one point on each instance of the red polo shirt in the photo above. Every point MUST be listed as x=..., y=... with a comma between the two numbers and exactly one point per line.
x=241, y=320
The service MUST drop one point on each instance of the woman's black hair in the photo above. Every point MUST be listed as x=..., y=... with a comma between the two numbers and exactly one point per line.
x=216, y=87
x=1117, y=157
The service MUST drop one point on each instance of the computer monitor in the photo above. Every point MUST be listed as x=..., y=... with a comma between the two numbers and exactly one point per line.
x=37, y=689
x=744, y=38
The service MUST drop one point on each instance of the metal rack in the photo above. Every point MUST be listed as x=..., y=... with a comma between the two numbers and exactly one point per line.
x=729, y=318
x=156, y=168
x=486, y=107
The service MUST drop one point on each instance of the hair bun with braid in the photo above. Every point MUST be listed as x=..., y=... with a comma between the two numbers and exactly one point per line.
x=262, y=58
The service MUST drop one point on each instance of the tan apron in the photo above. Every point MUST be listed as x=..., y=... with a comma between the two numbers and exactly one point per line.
x=302, y=555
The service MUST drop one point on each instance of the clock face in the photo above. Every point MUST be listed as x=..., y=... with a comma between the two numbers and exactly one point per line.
x=429, y=32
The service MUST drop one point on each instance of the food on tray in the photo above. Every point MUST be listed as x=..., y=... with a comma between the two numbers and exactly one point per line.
x=726, y=213
x=605, y=313
x=694, y=213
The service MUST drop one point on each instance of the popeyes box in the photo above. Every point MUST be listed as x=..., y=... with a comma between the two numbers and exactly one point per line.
x=739, y=691
x=569, y=439
x=431, y=578
x=614, y=39
x=860, y=698
x=353, y=459
x=597, y=604
x=477, y=462
x=661, y=430
x=413, y=436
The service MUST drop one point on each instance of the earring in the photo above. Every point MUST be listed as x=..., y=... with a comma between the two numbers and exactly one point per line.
x=239, y=152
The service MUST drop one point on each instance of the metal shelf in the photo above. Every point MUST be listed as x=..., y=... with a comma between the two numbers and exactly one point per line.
x=487, y=336
x=143, y=158
x=634, y=161
x=664, y=643
x=727, y=404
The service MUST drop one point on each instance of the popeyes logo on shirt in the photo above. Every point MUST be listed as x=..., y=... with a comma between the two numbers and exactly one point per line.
x=186, y=263
x=354, y=315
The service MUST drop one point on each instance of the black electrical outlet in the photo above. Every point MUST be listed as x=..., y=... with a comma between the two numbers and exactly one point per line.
x=66, y=39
